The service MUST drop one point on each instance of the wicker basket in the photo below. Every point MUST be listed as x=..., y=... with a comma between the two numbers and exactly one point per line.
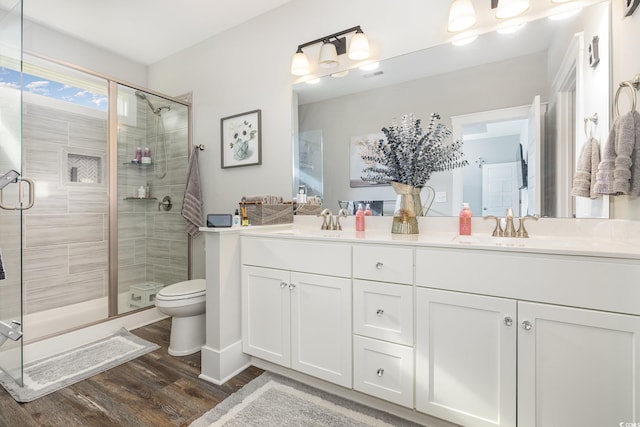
x=306, y=209
x=260, y=214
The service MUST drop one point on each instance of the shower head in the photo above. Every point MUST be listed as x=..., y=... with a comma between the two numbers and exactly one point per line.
x=156, y=110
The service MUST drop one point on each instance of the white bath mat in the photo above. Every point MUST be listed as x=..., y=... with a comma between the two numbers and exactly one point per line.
x=274, y=401
x=47, y=375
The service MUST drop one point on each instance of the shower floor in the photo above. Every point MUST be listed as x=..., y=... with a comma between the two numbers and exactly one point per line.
x=50, y=322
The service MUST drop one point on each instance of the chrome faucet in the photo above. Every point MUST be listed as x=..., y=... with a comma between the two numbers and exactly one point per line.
x=342, y=213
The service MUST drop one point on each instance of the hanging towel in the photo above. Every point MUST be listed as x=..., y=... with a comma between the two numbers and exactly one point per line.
x=623, y=174
x=2, y=273
x=618, y=172
x=584, y=180
x=604, y=176
x=192, y=202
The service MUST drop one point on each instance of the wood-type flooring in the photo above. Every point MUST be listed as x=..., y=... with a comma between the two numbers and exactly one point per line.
x=153, y=390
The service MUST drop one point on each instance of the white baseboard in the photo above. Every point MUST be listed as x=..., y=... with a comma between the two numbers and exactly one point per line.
x=219, y=366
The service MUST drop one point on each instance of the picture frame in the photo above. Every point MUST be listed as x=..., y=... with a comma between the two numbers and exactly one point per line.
x=241, y=139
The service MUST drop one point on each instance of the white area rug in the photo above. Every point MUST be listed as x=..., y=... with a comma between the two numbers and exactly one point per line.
x=273, y=400
x=45, y=376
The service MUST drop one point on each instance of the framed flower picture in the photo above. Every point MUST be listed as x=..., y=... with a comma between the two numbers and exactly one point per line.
x=241, y=139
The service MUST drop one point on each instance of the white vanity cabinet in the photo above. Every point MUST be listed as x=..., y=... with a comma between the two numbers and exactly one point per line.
x=575, y=365
x=466, y=357
x=383, y=322
x=298, y=319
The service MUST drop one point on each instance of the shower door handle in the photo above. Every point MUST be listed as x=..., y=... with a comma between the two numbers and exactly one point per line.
x=20, y=196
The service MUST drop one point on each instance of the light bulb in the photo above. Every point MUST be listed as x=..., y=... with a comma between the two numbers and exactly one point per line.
x=359, y=46
x=462, y=16
x=300, y=64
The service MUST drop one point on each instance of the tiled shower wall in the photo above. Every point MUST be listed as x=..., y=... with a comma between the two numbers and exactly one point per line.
x=152, y=243
x=66, y=232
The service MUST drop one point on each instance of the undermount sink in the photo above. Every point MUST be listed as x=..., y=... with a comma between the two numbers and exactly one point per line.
x=549, y=242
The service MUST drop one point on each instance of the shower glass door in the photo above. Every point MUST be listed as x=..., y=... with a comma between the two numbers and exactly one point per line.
x=11, y=210
x=152, y=153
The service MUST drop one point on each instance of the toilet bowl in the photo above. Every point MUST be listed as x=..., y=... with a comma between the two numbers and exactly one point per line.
x=185, y=303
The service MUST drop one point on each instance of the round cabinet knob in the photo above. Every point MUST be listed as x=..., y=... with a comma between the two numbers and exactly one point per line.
x=508, y=321
x=380, y=372
x=379, y=312
x=292, y=287
x=526, y=325
x=283, y=285
x=379, y=265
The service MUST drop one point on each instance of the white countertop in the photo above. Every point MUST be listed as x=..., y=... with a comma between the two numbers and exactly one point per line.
x=595, y=238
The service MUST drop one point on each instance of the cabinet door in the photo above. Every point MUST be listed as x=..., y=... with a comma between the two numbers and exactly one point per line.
x=265, y=314
x=466, y=358
x=321, y=327
x=577, y=367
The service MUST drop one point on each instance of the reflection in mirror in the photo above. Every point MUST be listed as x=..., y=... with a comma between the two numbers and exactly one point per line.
x=469, y=86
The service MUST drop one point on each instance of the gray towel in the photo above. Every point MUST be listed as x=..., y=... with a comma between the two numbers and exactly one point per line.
x=584, y=181
x=604, y=176
x=192, y=202
x=619, y=170
x=2, y=273
x=625, y=144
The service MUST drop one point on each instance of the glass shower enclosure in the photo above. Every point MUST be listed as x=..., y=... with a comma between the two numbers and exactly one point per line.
x=107, y=162
x=11, y=204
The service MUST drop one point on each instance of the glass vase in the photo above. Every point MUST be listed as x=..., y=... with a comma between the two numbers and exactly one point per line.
x=404, y=214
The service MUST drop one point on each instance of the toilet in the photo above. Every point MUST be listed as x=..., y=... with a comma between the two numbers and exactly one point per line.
x=185, y=303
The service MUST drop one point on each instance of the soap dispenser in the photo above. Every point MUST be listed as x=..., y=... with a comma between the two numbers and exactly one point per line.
x=360, y=218
x=465, y=220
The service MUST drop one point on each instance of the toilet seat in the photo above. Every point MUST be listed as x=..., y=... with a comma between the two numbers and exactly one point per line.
x=189, y=289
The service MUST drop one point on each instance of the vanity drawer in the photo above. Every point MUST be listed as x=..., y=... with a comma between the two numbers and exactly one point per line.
x=383, y=263
x=384, y=370
x=329, y=259
x=383, y=311
x=609, y=284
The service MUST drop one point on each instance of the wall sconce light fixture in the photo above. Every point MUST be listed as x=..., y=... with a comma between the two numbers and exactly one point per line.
x=333, y=45
x=462, y=15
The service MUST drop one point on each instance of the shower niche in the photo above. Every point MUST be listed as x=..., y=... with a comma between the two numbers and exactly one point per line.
x=83, y=168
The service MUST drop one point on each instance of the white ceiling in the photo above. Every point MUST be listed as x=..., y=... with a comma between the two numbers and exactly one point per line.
x=143, y=30
x=147, y=31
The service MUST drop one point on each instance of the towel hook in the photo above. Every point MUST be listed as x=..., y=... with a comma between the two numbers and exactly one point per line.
x=631, y=85
x=590, y=122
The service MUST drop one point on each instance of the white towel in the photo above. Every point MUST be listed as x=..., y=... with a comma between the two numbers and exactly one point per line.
x=192, y=202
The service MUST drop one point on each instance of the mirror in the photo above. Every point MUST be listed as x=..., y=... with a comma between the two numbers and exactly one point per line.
x=484, y=92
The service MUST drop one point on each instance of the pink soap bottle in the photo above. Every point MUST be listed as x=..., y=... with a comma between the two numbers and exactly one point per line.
x=465, y=220
x=360, y=218
x=367, y=210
